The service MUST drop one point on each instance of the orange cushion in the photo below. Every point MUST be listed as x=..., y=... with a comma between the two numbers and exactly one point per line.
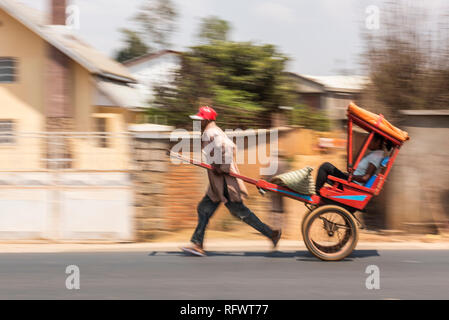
x=378, y=122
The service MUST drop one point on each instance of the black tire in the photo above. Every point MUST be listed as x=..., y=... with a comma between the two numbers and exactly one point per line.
x=343, y=231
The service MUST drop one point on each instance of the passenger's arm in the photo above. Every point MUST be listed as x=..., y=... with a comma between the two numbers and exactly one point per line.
x=369, y=172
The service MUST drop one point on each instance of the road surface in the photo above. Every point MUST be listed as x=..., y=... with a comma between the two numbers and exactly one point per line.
x=404, y=274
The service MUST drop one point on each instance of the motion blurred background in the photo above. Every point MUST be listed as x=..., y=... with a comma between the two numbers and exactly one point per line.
x=90, y=92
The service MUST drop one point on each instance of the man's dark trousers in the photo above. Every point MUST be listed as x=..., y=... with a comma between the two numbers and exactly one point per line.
x=206, y=208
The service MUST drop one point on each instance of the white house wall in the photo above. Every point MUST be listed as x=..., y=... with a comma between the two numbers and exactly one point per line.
x=155, y=72
x=66, y=206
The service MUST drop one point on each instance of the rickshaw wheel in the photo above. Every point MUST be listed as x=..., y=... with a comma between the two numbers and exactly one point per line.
x=330, y=232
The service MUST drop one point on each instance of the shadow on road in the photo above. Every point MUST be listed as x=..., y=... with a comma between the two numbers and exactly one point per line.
x=300, y=255
x=353, y=256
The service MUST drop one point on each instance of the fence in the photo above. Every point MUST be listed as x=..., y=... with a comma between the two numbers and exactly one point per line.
x=68, y=151
x=66, y=186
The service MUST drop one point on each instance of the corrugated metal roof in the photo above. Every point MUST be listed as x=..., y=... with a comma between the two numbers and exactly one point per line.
x=63, y=39
x=306, y=85
x=433, y=112
x=340, y=83
x=120, y=94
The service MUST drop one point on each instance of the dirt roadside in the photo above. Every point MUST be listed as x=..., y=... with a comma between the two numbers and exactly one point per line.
x=224, y=241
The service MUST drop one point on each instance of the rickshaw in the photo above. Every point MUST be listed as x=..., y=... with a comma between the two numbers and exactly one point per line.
x=330, y=229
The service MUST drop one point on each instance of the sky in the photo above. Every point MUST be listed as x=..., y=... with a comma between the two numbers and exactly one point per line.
x=321, y=37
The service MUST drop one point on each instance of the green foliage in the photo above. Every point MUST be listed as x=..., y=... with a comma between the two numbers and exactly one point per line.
x=242, y=80
x=134, y=46
x=311, y=119
x=168, y=105
x=156, y=19
x=156, y=22
x=213, y=29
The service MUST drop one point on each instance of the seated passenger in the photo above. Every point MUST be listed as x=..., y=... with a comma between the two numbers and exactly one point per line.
x=366, y=168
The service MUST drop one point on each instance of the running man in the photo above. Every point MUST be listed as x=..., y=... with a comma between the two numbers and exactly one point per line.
x=220, y=153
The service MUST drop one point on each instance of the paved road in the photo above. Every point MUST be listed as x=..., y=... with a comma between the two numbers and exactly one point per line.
x=404, y=274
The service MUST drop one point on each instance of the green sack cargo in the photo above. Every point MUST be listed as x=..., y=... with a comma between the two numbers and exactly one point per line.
x=300, y=181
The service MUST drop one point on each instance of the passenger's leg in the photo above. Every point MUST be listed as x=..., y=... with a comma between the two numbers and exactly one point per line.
x=325, y=170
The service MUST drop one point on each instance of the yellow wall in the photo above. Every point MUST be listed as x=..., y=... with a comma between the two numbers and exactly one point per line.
x=82, y=97
x=27, y=93
x=24, y=100
x=116, y=156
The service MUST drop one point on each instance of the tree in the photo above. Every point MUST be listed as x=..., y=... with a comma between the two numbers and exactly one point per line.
x=310, y=119
x=407, y=61
x=244, y=81
x=156, y=19
x=134, y=46
x=213, y=29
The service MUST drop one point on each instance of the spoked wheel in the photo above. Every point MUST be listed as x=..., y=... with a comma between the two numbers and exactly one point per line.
x=330, y=232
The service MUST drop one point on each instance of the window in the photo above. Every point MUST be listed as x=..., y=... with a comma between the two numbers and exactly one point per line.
x=101, y=127
x=7, y=132
x=7, y=70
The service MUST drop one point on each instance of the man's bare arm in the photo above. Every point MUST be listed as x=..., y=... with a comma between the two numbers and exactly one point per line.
x=364, y=178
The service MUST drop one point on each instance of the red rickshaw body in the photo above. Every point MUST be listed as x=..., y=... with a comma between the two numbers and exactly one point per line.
x=352, y=194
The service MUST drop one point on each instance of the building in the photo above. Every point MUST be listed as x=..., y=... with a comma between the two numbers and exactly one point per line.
x=153, y=70
x=416, y=194
x=65, y=150
x=51, y=81
x=331, y=94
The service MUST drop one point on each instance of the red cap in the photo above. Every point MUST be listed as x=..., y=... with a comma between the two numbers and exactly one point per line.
x=205, y=113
